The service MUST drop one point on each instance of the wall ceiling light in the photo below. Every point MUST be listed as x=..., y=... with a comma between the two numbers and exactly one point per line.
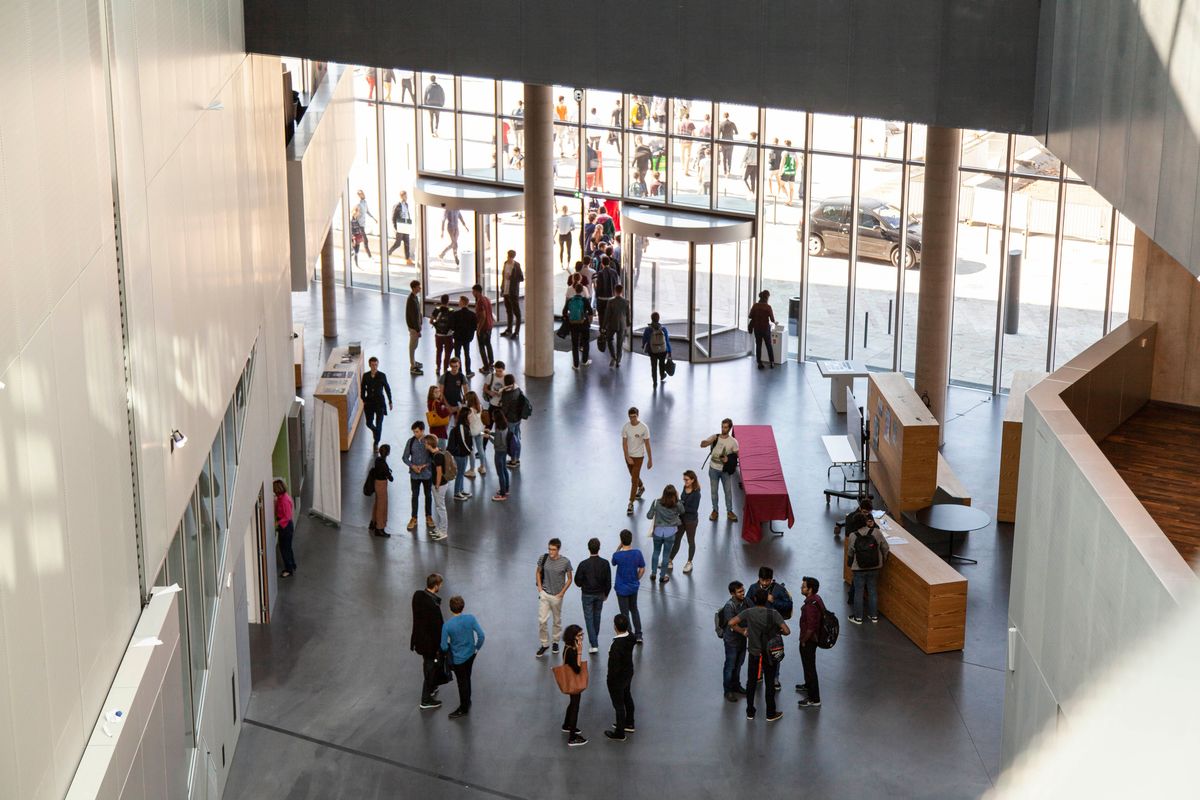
x=178, y=440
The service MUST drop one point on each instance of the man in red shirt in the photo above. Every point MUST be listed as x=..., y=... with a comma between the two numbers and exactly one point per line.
x=810, y=629
x=483, y=331
x=761, y=318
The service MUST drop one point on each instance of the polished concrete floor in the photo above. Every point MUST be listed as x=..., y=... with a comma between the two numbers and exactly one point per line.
x=334, y=712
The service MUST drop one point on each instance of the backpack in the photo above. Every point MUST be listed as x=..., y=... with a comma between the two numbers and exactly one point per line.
x=442, y=322
x=449, y=468
x=866, y=551
x=658, y=341
x=577, y=308
x=719, y=622
x=827, y=634
x=526, y=409
x=783, y=599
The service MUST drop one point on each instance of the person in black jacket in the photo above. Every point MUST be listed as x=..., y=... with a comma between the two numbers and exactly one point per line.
x=463, y=322
x=594, y=579
x=572, y=649
x=372, y=391
x=413, y=318
x=620, y=678
x=427, y=636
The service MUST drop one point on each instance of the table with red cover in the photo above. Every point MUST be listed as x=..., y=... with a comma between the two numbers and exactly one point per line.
x=765, y=494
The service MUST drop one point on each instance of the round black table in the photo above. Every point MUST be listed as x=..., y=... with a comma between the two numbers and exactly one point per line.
x=953, y=519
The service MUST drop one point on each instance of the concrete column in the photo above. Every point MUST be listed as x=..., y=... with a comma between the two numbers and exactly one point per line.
x=328, y=307
x=939, y=227
x=539, y=230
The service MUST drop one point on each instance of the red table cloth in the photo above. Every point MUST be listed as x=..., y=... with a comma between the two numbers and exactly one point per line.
x=764, y=489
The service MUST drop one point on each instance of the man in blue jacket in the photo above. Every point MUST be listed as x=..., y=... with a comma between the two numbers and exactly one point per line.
x=463, y=637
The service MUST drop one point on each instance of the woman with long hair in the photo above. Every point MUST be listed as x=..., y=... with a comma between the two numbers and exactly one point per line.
x=475, y=426
x=665, y=515
x=381, y=474
x=437, y=414
x=460, y=448
x=499, y=436
x=689, y=518
x=572, y=650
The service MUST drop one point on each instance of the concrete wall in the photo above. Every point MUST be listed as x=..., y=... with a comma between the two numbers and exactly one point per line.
x=1090, y=567
x=918, y=61
x=1119, y=90
x=1164, y=291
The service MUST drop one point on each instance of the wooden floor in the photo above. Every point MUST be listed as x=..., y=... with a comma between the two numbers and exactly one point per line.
x=1157, y=452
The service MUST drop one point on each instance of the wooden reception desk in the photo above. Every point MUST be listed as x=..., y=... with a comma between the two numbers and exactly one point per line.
x=919, y=592
x=339, y=386
x=1010, y=444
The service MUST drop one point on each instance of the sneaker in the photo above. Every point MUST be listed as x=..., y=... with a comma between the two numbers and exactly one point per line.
x=806, y=703
x=750, y=716
x=664, y=578
x=875, y=619
x=778, y=715
x=510, y=464
x=461, y=712
x=470, y=374
x=482, y=470
x=515, y=464
x=614, y=736
x=641, y=491
x=432, y=703
x=800, y=687
x=412, y=524
x=554, y=648
x=593, y=649
x=856, y=620
x=587, y=363
x=469, y=474
x=541, y=651
x=713, y=516
x=732, y=517
x=565, y=729
x=499, y=497
x=731, y=697
x=461, y=495
x=638, y=640
x=575, y=367
x=629, y=728
x=416, y=372
x=653, y=577
x=687, y=568
x=576, y=740
x=629, y=510
x=437, y=536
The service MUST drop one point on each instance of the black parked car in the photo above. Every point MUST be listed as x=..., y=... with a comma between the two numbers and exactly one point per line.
x=878, y=231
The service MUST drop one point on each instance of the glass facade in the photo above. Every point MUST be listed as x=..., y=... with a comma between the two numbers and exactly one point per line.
x=836, y=203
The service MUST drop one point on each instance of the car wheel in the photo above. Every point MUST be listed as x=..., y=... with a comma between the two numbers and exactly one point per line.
x=910, y=257
x=816, y=245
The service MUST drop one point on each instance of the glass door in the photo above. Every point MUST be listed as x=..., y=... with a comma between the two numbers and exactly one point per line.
x=657, y=278
x=450, y=251
x=723, y=281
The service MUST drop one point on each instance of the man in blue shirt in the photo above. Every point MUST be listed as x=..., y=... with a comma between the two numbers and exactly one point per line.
x=463, y=637
x=631, y=566
x=417, y=458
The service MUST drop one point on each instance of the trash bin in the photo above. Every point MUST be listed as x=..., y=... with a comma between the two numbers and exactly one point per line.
x=793, y=315
x=779, y=343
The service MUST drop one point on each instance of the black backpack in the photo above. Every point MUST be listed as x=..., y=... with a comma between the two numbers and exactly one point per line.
x=526, y=409
x=719, y=622
x=783, y=599
x=827, y=634
x=866, y=551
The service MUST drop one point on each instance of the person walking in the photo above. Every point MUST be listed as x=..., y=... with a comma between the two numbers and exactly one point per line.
x=635, y=444
x=553, y=578
x=426, y=639
x=656, y=342
x=726, y=130
x=433, y=100
x=594, y=579
x=452, y=219
x=631, y=566
x=416, y=458
x=463, y=637
x=579, y=316
x=787, y=172
x=442, y=320
x=665, y=519
x=689, y=501
x=402, y=223
x=750, y=164
x=573, y=660
x=499, y=437
x=460, y=449
x=413, y=317
x=358, y=234
x=285, y=528
x=484, y=322
x=437, y=413
x=381, y=476
x=734, y=639
x=774, y=165
x=620, y=679
x=762, y=317
x=376, y=396
x=605, y=284
x=475, y=428
x=565, y=226
x=464, y=323
x=511, y=278
x=866, y=553
x=722, y=449
x=811, y=614
x=441, y=476
x=762, y=624
x=614, y=321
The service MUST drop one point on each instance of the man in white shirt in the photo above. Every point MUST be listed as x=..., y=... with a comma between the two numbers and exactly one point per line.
x=722, y=445
x=565, y=226
x=635, y=444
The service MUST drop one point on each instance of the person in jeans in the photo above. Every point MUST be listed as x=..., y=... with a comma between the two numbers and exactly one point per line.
x=460, y=450
x=463, y=637
x=553, y=578
x=464, y=324
x=572, y=649
x=810, y=628
x=734, y=639
x=426, y=639
x=613, y=323
x=656, y=343
x=720, y=447
x=285, y=527
x=762, y=317
x=476, y=429
x=665, y=518
x=437, y=469
x=578, y=312
x=511, y=278
x=442, y=320
x=631, y=566
x=484, y=322
x=762, y=623
x=416, y=458
x=376, y=396
x=594, y=579
x=635, y=444
x=866, y=553
x=689, y=518
x=499, y=439
x=413, y=319
x=620, y=678
x=511, y=402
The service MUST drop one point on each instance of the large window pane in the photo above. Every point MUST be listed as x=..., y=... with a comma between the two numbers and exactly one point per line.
x=647, y=155
x=880, y=230
x=691, y=116
x=977, y=278
x=691, y=172
x=1083, y=274
x=828, y=248
x=217, y=476
x=833, y=134
x=602, y=161
x=1034, y=215
x=566, y=155
x=177, y=574
x=738, y=190
x=401, y=169
x=1123, y=271
x=437, y=124
x=451, y=251
x=984, y=150
x=882, y=138
x=781, y=227
x=660, y=283
x=785, y=136
x=194, y=591
x=478, y=94
x=231, y=460
x=912, y=278
x=1032, y=158
x=208, y=545
x=479, y=147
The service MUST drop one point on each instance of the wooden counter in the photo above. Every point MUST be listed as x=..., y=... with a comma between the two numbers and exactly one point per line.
x=904, y=439
x=339, y=386
x=1010, y=444
x=919, y=592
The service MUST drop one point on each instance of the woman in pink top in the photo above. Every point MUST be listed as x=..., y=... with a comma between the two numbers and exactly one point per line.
x=285, y=527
